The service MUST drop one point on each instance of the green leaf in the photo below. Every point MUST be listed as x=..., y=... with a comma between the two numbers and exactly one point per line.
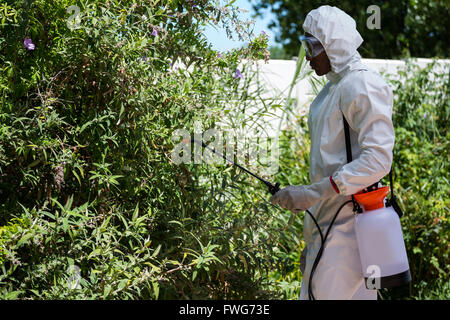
x=135, y=213
x=65, y=224
x=70, y=261
x=105, y=223
x=155, y=253
x=156, y=288
x=107, y=291
x=76, y=176
x=34, y=163
x=25, y=238
x=13, y=295
x=176, y=222
x=95, y=252
x=76, y=214
x=35, y=292
x=122, y=284
x=93, y=278
x=85, y=126
x=122, y=108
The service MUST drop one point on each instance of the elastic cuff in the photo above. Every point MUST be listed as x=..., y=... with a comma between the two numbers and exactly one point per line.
x=334, y=185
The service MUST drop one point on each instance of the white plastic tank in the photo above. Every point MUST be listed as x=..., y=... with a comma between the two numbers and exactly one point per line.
x=380, y=242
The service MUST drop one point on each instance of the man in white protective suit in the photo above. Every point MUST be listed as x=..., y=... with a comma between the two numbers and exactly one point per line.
x=365, y=100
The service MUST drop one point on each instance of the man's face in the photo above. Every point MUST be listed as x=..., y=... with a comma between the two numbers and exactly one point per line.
x=320, y=63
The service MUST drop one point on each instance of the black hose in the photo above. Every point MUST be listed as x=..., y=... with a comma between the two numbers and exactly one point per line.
x=322, y=246
x=317, y=225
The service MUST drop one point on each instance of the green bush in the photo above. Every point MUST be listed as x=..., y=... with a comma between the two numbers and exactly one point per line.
x=86, y=177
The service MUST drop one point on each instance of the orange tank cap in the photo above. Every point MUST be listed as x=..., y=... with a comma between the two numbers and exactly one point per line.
x=372, y=200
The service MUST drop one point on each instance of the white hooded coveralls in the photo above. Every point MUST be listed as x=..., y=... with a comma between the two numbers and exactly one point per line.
x=366, y=102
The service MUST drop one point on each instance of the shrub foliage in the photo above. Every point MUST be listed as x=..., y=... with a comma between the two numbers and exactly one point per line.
x=88, y=187
x=92, y=205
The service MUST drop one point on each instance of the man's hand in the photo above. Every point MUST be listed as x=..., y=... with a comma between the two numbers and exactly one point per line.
x=300, y=198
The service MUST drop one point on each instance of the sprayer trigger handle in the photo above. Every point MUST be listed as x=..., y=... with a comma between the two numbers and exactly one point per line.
x=274, y=188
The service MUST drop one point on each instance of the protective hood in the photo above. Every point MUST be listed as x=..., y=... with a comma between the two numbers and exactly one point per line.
x=337, y=32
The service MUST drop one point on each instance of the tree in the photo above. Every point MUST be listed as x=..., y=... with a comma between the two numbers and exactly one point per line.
x=278, y=52
x=416, y=28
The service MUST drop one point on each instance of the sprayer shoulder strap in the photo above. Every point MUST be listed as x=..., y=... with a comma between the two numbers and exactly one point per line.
x=348, y=147
x=393, y=200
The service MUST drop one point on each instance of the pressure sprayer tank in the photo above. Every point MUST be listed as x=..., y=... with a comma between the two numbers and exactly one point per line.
x=380, y=242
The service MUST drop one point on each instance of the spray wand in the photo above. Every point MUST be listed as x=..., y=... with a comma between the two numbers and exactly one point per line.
x=273, y=188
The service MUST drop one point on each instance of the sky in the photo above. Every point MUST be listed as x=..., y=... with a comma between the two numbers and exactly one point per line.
x=219, y=39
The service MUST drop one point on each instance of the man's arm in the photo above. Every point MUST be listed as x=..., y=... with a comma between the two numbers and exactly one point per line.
x=366, y=102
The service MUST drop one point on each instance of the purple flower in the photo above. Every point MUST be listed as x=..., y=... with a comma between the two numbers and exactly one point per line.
x=28, y=44
x=219, y=55
x=264, y=33
x=238, y=74
x=155, y=32
x=424, y=115
x=172, y=66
